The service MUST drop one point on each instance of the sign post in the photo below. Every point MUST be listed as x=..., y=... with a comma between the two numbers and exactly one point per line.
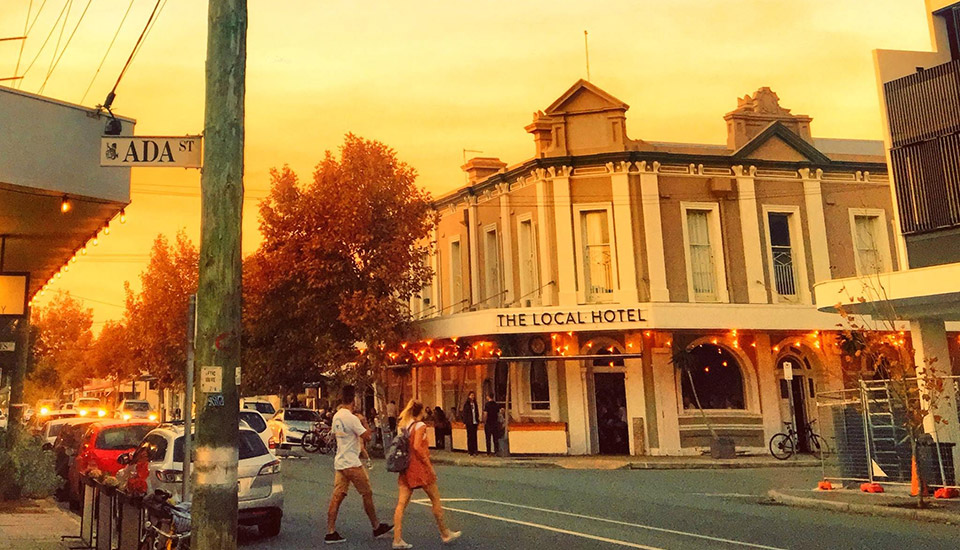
x=130, y=151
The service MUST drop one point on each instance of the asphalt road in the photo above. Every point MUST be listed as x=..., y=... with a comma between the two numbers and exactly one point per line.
x=506, y=508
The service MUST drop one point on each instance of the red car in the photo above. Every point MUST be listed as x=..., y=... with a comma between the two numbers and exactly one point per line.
x=102, y=443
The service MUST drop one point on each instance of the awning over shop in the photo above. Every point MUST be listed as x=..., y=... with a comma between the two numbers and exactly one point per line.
x=929, y=292
x=54, y=195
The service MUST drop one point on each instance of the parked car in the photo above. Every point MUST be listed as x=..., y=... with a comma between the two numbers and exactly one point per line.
x=65, y=449
x=46, y=406
x=289, y=425
x=131, y=409
x=259, y=486
x=100, y=446
x=52, y=427
x=89, y=406
x=255, y=421
x=262, y=406
x=37, y=422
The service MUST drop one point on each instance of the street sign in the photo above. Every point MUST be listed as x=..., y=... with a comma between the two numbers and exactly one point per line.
x=8, y=346
x=13, y=293
x=211, y=379
x=173, y=151
x=787, y=370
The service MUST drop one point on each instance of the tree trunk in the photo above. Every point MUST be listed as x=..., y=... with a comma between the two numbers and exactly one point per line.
x=696, y=398
x=219, y=285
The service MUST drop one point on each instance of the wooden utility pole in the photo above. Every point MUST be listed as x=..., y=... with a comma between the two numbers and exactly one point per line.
x=17, y=407
x=218, y=293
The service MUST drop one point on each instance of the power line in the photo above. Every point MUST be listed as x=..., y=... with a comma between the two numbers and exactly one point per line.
x=56, y=48
x=150, y=28
x=47, y=39
x=23, y=42
x=106, y=53
x=113, y=92
x=67, y=45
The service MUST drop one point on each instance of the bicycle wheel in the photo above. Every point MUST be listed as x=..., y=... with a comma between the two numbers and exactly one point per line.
x=310, y=442
x=781, y=446
x=329, y=445
x=818, y=446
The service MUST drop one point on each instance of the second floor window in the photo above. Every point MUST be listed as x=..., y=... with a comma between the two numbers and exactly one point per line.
x=866, y=239
x=703, y=268
x=597, y=255
x=529, y=273
x=782, y=255
x=493, y=294
x=427, y=307
x=456, y=278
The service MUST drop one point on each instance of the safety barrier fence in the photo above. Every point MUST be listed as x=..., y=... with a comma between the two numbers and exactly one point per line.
x=865, y=435
x=110, y=519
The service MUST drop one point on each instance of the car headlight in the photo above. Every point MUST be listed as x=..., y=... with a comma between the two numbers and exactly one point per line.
x=126, y=416
x=101, y=413
x=44, y=411
x=270, y=468
x=83, y=412
x=153, y=416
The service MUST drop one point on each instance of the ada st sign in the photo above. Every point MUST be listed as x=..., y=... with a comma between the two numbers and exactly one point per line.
x=176, y=151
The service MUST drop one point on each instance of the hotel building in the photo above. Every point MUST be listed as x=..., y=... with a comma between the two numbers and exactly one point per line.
x=566, y=283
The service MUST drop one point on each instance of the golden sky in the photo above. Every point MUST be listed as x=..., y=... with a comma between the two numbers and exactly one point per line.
x=431, y=78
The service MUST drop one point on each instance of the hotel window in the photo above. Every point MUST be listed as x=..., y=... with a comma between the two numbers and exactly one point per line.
x=529, y=274
x=491, y=259
x=456, y=278
x=597, y=255
x=865, y=242
x=426, y=293
x=717, y=380
x=784, y=256
x=539, y=383
x=705, y=271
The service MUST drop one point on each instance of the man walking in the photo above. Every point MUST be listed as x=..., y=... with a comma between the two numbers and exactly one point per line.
x=491, y=425
x=471, y=419
x=351, y=435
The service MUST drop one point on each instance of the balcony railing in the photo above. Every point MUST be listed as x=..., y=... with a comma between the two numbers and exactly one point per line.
x=924, y=114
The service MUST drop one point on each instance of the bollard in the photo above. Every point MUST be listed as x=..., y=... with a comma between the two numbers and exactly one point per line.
x=88, y=502
x=105, y=502
x=129, y=516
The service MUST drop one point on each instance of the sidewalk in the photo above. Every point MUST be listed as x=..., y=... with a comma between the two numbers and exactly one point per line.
x=897, y=504
x=35, y=525
x=617, y=462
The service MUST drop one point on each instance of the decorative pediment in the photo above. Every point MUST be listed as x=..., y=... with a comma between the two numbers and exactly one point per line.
x=584, y=97
x=764, y=101
x=777, y=142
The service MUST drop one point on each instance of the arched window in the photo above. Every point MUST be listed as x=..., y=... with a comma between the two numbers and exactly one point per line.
x=717, y=378
x=539, y=386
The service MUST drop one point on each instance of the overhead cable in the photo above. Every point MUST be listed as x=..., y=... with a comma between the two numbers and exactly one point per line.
x=67, y=45
x=113, y=92
x=47, y=39
x=26, y=26
x=106, y=53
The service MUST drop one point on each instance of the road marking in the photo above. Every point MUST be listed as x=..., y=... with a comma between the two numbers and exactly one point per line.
x=541, y=526
x=628, y=524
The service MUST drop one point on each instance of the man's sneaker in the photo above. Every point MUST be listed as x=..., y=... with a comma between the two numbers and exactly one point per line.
x=381, y=530
x=333, y=538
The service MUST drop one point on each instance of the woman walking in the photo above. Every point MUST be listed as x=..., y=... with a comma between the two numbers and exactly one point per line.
x=419, y=475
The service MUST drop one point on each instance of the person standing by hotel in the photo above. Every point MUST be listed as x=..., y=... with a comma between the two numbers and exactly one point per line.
x=441, y=427
x=351, y=435
x=418, y=475
x=392, y=417
x=471, y=420
x=491, y=425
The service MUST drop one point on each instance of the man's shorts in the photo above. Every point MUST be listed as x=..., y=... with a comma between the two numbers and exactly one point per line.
x=357, y=476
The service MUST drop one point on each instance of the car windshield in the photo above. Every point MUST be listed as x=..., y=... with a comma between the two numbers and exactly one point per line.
x=122, y=437
x=262, y=407
x=254, y=420
x=301, y=415
x=138, y=406
x=88, y=402
x=249, y=444
x=53, y=430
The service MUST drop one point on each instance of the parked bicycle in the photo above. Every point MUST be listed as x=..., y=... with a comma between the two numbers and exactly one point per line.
x=784, y=445
x=320, y=439
x=168, y=527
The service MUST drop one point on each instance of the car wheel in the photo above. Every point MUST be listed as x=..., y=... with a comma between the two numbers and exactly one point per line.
x=270, y=527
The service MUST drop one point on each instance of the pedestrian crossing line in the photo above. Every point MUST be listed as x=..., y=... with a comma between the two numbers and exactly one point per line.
x=541, y=526
x=627, y=524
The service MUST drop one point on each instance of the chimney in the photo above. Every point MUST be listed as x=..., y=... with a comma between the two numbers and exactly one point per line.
x=480, y=168
x=754, y=113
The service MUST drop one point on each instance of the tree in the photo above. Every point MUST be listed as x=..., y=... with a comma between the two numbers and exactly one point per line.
x=62, y=339
x=111, y=357
x=340, y=260
x=156, y=317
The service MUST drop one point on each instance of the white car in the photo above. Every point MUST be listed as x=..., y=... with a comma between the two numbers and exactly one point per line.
x=51, y=429
x=289, y=425
x=255, y=421
x=259, y=484
x=135, y=409
x=262, y=406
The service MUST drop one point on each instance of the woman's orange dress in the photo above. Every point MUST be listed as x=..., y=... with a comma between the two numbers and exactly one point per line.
x=420, y=472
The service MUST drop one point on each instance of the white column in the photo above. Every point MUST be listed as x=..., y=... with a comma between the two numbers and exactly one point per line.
x=506, y=240
x=566, y=268
x=623, y=231
x=544, y=242
x=636, y=400
x=472, y=231
x=750, y=230
x=929, y=338
x=576, y=408
x=664, y=376
x=816, y=224
x=653, y=231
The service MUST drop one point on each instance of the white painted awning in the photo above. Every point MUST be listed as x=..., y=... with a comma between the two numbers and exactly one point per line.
x=928, y=292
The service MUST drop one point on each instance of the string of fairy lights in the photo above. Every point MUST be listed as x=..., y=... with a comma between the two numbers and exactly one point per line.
x=66, y=205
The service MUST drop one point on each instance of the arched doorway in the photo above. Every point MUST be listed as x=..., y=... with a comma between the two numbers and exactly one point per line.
x=610, y=402
x=797, y=390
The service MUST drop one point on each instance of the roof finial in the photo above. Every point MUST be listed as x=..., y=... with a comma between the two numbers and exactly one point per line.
x=586, y=49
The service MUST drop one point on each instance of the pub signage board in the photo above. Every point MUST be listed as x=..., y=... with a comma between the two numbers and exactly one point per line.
x=570, y=318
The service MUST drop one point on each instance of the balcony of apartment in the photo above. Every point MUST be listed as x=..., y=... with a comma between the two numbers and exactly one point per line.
x=924, y=118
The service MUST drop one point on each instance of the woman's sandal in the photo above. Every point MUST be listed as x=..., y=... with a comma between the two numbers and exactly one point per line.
x=452, y=536
x=402, y=545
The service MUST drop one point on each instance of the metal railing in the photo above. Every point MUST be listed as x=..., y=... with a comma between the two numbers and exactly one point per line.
x=866, y=431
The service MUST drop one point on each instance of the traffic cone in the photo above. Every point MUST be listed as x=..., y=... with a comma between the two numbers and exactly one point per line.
x=824, y=486
x=915, y=479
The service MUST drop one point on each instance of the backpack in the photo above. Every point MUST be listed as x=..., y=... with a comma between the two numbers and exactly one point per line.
x=398, y=455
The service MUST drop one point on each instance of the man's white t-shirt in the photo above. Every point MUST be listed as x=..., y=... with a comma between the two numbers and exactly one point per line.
x=348, y=429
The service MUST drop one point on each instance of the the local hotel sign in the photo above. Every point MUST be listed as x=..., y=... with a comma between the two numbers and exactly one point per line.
x=13, y=293
x=600, y=316
x=178, y=152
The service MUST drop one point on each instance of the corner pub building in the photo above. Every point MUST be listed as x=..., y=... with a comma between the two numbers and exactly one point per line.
x=564, y=283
